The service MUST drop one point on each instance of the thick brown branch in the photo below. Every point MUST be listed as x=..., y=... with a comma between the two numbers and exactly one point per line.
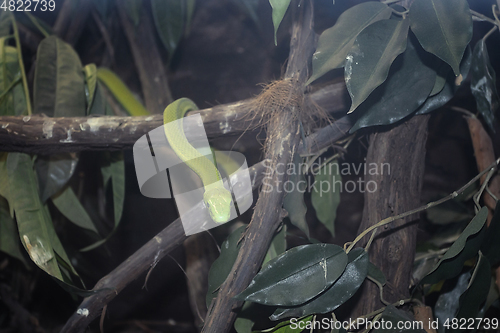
x=44, y=135
x=282, y=141
x=144, y=258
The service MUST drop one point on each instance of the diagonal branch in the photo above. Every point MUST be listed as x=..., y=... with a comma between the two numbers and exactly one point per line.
x=282, y=141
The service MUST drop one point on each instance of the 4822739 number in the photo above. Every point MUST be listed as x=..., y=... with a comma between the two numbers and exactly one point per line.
x=467, y=324
x=28, y=5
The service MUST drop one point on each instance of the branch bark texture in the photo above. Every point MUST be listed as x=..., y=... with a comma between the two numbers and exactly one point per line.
x=283, y=136
x=399, y=156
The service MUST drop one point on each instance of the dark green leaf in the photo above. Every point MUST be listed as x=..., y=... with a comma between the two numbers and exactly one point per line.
x=115, y=166
x=279, y=10
x=447, y=304
x=443, y=27
x=54, y=171
x=9, y=237
x=441, y=75
x=396, y=317
x=278, y=245
x=348, y=283
x=477, y=291
x=90, y=72
x=32, y=220
x=325, y=203
x=406, y=88
x=464, y=248
x=99, y=102
x=367, y=64
x=59, y=87
x=5, y=23
x=222, y=266
x=242, y=324
x=376, y=274
x=491, y=244
x=450, y=87
x=4, y=180
x=133, y=9
x=169, y=20
x=69, y=205
x=297, y=275
x=483, y=83
x=335, y=43
x=294, y=197
x=12, y=97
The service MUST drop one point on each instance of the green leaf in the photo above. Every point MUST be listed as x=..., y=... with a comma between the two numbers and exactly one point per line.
x=396, y=318
x=133, y=9
x=483, y=83
x=367, y=64
x=69, y=205
x=120, y=91
x=90, y=72
x=464, y=248
x=99, y=104
x=169, y=21
x=12, y=97
x=448, y=301
x=4, y=179
x=376, y=274
x=222, y=266
x=32, y=220
x=53, y=172
x=325, y=203
x=294, y=197
x=450, y=87
x=290, y=326
x=278, y=245
x=406, y=88
x=477, y=291
x=297, y=275
x=491, y=246
x=279, y=9
x=342, y=290
x=443, y=28
x=116, y=168
x=59, y=87
x=441, y=75
x=335, y=43
x=9, y=237
x=5, y=23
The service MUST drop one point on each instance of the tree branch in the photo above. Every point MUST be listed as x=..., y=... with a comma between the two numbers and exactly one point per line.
x=44, y=135
x=283, y=135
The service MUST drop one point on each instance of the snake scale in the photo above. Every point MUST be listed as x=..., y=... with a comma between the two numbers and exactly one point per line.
x=216, y=197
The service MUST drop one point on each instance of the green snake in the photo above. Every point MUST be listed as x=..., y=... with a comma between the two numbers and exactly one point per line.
x=216, y=197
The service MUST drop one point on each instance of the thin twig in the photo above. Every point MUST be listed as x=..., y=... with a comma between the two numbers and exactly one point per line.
x=424, y=207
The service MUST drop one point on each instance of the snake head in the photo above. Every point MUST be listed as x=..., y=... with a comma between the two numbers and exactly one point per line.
x=218, y=200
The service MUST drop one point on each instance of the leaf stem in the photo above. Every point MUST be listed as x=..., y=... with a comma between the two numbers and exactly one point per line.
x=390, y=219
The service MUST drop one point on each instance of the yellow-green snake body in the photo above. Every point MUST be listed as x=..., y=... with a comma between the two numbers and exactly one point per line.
x=216, y=197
